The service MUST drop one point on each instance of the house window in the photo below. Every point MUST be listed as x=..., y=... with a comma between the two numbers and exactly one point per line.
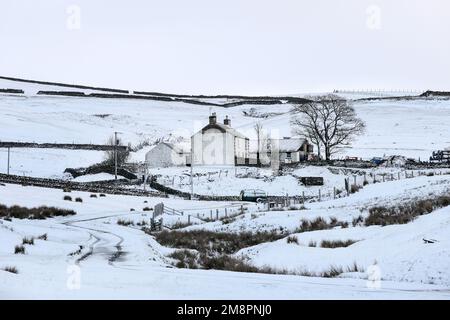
x=288, y=155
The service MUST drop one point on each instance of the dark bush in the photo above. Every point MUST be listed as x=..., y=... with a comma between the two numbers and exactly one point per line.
x=102, y=195
x=214, y=242
x=125, y=223
x=404, y=213
x=320, y=224
x=93, y=196
x=186, y=259
x=78, y=200
x=67, y=198
x=147, y=209
x=11, y=269
x=336, y=243
x=19, y=249
x=29, y=241
x=33, y=213
x=292, y=239
x=43, y=237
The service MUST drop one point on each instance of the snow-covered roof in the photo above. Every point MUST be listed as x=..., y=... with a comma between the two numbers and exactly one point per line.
x=290, y=145
x=224, y=128
x=180, y=147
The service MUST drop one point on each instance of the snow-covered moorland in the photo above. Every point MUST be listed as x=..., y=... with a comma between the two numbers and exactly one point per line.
x=102, y=251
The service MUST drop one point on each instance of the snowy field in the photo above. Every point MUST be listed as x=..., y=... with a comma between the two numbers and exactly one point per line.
x=409, y=268
x=117, y=261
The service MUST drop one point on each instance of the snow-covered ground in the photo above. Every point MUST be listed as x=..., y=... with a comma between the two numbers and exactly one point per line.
x=117, y=261
x=409, y=268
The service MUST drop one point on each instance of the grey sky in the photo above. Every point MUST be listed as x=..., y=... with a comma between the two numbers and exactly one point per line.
x=230, y=46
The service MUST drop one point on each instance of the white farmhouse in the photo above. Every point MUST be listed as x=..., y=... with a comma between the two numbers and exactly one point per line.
x=218, y=144
x=166, y=154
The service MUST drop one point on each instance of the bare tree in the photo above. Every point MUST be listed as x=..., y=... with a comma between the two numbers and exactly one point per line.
x=122, y=155
x=327, y=121
x=262, y=140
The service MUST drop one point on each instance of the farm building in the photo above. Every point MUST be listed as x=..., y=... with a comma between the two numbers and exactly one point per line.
x=219, y=144
x=167, y=154
x=292, y=150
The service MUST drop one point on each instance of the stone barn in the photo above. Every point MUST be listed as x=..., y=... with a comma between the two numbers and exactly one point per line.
x=166, y=154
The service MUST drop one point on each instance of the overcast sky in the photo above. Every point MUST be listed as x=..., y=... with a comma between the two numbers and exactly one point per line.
x=229, y=46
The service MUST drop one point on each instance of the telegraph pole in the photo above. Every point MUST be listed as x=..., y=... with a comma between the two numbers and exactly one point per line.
x=115, y=155
x=192, y=171
x=7, y=170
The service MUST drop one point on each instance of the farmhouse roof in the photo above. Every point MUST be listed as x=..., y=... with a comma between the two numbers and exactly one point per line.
x=290, y=144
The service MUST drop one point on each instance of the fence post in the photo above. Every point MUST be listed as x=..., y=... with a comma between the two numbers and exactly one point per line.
x=217, y=214
x=320, y=195
x=334, y=192
x=189, y=219
x=210, y=211
x=303, y=197
x=226, y=214
x=242, y=209
x=399, y=176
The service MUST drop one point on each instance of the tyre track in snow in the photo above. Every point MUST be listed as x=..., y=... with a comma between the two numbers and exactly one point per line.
x=97, y=235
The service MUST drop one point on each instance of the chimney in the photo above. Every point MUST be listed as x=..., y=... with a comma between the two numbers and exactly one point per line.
x=227, y=121
x=213, y=118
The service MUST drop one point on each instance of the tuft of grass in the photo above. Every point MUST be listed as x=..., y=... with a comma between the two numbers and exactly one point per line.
x=19, y=249
x=214, y=242
x=93, y=196
x=180, y=225
x=11, y=269
x=102, y=195
x=405, y=213
x=186, y=259
x=312, y=243
x=67, y=198
x=132, y=209
x=336, y=243
x=43, y=237
x=292, y=239
x=320, y=224
x=33, y=213
x=29, y=241
x=358, y=221
x=147, y=209
x=78, y=199
x=125, y=223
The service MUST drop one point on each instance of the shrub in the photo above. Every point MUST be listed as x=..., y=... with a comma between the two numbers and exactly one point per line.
x=93, y=196
x=43, y=237
x=404, y=213
x=312, y=243
x=33, y=213
x=125, y=223
x=365, y=183
x=336, y=243
x=292, y=239
x=214, y=242
x=147, y=209
x=132, y=209
x=20, y=249
x=320, y=224
x=78, y=199
x=358, y=221
x=186, y=259
x=29, y=241
x=102, y=195
x=180, y=225
x=67, y=198
x=354, y=188
x=11, y=269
